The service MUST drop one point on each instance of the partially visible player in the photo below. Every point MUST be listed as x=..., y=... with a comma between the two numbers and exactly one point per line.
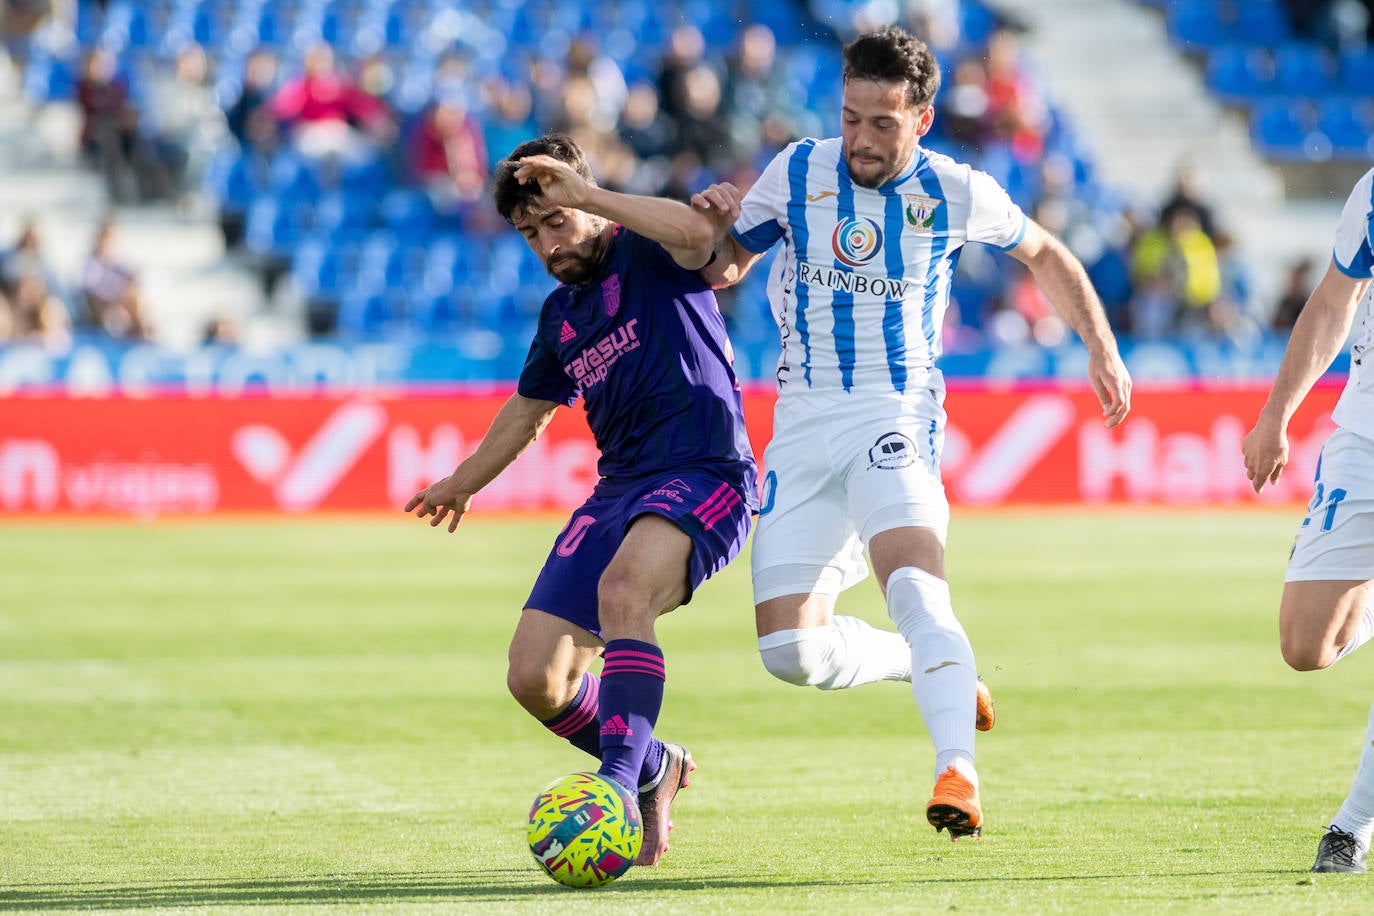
x=636, y=332
x=871, y=226
x=1325, y=612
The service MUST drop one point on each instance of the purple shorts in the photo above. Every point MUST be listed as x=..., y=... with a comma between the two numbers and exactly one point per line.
x=713, y=509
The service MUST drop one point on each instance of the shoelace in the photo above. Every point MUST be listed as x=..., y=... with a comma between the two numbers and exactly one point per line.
x=1344, y=847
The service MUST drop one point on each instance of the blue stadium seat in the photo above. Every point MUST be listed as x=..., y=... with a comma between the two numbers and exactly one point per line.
x=408, y=211
x=276, y=226
x=322, y=270
x=1304, y=70
x=1262, y=22
x=1239, y=74
x=1357, y=72
x=1348, y=124
x=1280, y=128
x=1197, y=26
x=369, y=315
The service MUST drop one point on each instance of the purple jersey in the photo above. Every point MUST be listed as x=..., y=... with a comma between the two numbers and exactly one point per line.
x=644, y=345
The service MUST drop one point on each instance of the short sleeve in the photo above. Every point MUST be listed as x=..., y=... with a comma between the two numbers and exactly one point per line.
x=764, y=207
x=993, y=218
x=1354, y=248
x=543, y=378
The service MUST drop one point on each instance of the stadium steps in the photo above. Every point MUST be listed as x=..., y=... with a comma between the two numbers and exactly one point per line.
x=1144, y=109
x=178, y=253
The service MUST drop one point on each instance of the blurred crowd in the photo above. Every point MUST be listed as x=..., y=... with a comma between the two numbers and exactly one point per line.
x=697, y=111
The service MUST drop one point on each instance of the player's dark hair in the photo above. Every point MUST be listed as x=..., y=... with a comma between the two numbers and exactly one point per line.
x=509, y=194
x=893, y=55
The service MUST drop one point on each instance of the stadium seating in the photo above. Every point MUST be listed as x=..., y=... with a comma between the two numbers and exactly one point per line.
x=1254, y=59
x=364, y=247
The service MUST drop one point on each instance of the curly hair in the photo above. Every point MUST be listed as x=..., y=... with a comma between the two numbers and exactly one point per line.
x=509, y=194
x=893, y=55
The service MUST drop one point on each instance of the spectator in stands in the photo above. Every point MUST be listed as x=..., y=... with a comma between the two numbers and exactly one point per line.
x=111, y=291
x=110, y=138
x=1297, y=285
x=19, y=19
x=964, y=111
x=754, y=88
x=328, y=116
x=251, y=111
x=448, y=156
x=31, y=306
x=509, y=119
x=686, y=49
x=586, y=62
x=1187, y=196
x=189, y=123
x=702, y=132
x=1179, y=258
x=1016, y=110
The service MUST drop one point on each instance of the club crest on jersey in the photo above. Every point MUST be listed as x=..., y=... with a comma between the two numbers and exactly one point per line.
x=610, y=295
x=892, y=451
x=856, y=240
x=920, y=212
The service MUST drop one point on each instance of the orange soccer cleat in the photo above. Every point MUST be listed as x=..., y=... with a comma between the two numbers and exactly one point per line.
x=954, y=806
x=987, y=713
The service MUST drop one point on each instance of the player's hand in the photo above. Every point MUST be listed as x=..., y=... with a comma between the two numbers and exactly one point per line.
x=1112, y=384
x=1266, y=453
x=721, y=205
x=443, y=499
x=559, y=183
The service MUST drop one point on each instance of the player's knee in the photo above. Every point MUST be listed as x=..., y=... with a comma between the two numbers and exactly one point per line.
x=622, y=600
x=799, y=657
x=1307, y=655
x=533, y=688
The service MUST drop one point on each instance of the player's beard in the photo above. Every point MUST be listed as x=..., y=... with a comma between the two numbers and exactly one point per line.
x=580, y=264
x=877, y=174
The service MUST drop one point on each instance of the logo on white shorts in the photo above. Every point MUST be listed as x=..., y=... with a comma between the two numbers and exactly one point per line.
x=892, y=451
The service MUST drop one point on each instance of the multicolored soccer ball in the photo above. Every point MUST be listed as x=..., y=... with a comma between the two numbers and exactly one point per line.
x=585, y=830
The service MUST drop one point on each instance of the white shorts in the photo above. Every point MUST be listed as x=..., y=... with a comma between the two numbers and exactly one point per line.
x=1336, y=539
x=840, y=469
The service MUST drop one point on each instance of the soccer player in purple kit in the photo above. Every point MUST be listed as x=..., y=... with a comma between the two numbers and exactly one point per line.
x=637, y=333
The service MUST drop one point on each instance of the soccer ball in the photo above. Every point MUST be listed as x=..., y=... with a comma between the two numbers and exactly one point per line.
x=585, y=830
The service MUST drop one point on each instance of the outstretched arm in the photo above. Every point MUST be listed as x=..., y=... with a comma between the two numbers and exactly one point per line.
x=684, y=233
x=1065, y=281
x=1318, y=335
x=515, y=427
x=730, y=260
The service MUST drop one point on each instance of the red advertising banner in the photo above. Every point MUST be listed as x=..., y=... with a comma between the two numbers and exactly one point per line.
x=146, y=457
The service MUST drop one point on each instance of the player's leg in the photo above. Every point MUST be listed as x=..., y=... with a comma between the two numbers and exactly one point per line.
x=1325, y=613
x=805, y=553
x=559, y=633
x=547, y=673
x=1322, y=621
x=681, y=531
x=899, y=506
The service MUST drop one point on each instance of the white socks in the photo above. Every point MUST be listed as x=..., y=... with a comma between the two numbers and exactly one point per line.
x=944, y=676
x=1362, y=633
x=1357, y=813
x=846, y=653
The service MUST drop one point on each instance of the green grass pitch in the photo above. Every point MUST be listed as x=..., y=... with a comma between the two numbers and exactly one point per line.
x=311, y=715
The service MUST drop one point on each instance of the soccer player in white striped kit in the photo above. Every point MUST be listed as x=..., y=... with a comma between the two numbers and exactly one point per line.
x=1326, y=611
x=871, y=226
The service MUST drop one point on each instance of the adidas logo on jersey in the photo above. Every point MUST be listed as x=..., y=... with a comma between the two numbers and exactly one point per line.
x=567, y=333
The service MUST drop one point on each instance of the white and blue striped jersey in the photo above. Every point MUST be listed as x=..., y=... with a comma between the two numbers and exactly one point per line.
x=861, y=286
x=1353, y=255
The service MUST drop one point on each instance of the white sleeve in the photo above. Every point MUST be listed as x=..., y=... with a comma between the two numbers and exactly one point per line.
x=1353, y=253
x=763, y=212
x=993, y=218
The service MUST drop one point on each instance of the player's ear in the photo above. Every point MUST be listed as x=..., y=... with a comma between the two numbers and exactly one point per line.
x=925, y=120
